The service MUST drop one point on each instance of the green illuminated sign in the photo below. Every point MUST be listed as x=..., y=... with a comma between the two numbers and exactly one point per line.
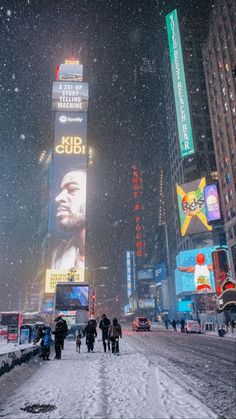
x=179, y=84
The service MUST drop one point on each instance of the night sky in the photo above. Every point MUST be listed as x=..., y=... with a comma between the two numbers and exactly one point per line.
x=126, y=121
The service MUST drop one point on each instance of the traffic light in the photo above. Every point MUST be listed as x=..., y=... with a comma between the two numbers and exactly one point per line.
x=93, y=297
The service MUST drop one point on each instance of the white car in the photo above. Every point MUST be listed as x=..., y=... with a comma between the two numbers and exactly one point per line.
x=192, y=326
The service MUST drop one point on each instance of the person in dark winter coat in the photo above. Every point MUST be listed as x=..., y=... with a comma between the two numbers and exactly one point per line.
x=46, y=342
x=60, y=332
x=104, y=326
x=90, y=332
x=174, y=325
x=114, y=333
x=182, y=324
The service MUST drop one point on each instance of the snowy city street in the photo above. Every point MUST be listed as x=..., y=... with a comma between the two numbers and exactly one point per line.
x=118, y=209
x=160, y=374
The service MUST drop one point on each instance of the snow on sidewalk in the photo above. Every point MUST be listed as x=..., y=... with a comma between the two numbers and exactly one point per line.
x=95, y=385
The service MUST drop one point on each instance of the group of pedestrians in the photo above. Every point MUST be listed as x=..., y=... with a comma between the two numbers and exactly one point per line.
x=45, y=334
x=111, y=333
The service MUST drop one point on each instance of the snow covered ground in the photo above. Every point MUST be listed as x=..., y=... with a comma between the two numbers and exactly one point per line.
x=97, y=385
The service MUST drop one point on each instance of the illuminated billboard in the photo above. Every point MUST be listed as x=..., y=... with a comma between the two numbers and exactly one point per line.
x=53, y=276
x=67, y=209
x=130, y=272
x=140, y=245
x=184, y=306
x=160, y=272
x=69, y=96
x=145, y=274
x=211, y=197
x=192, y=211
x=71, y=71
x=71, y=296
x=194, y=273
x=224, y=283
x=179, y=85
x=146, y=303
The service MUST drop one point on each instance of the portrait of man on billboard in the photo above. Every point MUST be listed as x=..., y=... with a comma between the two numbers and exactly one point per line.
x=70, y=217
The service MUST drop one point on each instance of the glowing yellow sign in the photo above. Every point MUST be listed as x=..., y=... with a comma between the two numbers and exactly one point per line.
x=71, y=61
x=53, y=276
x=71, y=145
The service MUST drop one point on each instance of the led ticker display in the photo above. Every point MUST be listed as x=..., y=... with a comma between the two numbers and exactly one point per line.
x=212, y=203
x=138, y=211
x=194, y=271
x=192, y=211
x=179, y=85
x=69, y=96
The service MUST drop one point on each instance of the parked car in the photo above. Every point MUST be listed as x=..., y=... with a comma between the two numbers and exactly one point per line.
x=192, y=326
x=141, y=323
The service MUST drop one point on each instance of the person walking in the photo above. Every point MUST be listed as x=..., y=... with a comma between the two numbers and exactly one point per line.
x=46, y=342
x=60, y=332
x=182, y=324
x=104, y=326
x=90, y=333
x=174, y=325
x=166, y=324
x=114, y=333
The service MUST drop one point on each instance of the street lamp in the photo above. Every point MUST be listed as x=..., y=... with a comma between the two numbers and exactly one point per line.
x=93, y=270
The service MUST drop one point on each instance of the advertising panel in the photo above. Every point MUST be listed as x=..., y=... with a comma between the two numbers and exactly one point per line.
x=192, y=211
x=179, y=85
x=129, y=273
x=145, y=274
x=146, y=303
x=211, y=197
x=224, y=283
x=71, y=71
x=53, y=276
x=140, y=244
x=71, y=296
x=185, y=306
x=194, y=271
x=160, y=272
x=69, y=96
x=67, y=210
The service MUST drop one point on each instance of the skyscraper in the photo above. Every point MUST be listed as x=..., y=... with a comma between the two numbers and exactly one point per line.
x=219, y=53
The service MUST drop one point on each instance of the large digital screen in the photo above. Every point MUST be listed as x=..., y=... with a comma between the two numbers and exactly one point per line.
x=185, y=306
x=70, y=72
x=72, y=296
x=179, y=85
x=69, y=96
x=212, y=203
x=145, y=274
x=194, y=271
x=146, y=303
x=192, y=211
x=67, y=209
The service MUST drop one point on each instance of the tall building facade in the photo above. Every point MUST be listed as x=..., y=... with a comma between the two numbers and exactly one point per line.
x=198, y=161
x=219, y=54
x=201, y=162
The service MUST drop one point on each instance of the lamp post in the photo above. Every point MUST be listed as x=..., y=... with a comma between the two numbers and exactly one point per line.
x=93, y=270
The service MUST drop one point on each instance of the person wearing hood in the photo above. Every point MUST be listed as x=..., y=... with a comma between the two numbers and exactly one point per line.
x=104, y=326
x=90, y=332
x=60, y=332
x=46, y=342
